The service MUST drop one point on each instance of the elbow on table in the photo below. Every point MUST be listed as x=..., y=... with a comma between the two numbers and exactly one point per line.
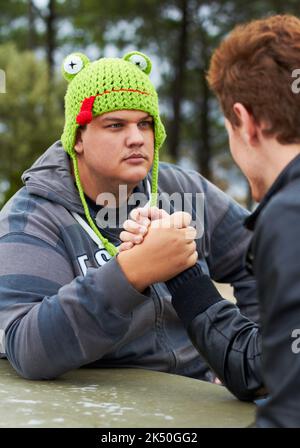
x=30, y=369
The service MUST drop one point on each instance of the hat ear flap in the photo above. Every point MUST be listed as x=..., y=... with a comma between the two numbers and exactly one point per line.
x=73, y=64
x=140, y=60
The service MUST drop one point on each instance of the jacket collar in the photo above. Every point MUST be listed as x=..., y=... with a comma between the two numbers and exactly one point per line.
x=289, y=173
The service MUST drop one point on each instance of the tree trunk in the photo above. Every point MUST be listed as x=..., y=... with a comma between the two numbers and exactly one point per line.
x=178, y=84
x=204, y=141
x=204, y=147
x=31, y=33
x=50, y=36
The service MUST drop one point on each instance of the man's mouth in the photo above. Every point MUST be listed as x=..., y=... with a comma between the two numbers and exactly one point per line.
x=135, y=159
x=136, y=156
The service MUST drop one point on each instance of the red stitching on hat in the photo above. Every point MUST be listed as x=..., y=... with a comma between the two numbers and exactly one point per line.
x=124, y=90
x=85, y=115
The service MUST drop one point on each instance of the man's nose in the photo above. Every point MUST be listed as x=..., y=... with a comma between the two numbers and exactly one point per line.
x=134, y=136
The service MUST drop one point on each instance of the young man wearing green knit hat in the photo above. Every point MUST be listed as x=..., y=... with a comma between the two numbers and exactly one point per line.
x=70, y=300
x=100, y=88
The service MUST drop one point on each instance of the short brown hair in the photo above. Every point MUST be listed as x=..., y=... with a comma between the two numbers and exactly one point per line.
x=254, y=66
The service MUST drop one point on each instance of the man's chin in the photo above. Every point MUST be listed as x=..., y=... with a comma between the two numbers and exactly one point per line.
x=135, y=175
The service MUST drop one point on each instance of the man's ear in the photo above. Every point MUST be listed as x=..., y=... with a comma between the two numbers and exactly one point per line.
x=248, y=126
x=78, y=141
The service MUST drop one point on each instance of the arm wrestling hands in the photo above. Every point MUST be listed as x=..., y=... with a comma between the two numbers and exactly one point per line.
x=168, y=246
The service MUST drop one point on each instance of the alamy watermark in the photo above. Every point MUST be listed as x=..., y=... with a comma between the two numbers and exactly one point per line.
x=296, y=343
x=2, y=81
x=114, y=211
x=296, y=83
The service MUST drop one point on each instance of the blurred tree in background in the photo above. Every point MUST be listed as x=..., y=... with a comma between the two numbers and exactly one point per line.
x=31, y=114
x=179, y=36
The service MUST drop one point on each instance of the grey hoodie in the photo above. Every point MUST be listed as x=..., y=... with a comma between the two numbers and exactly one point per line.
x=64, y=303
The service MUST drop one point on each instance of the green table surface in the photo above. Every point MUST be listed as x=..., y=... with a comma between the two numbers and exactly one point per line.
x=117, y=398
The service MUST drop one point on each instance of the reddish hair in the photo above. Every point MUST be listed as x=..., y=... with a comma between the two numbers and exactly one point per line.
x=254, y=66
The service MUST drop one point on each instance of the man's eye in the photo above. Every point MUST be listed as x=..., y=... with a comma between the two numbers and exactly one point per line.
x=146, y=124
x=115, y=125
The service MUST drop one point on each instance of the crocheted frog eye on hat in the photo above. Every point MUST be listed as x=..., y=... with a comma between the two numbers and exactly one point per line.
x=107, y=85
x=140, y=60
x=73, y=64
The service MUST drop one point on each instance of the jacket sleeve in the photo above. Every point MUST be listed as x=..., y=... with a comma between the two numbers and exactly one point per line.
x=231, y=345
x=51, y=322
x=277, y=268
x=228, y=341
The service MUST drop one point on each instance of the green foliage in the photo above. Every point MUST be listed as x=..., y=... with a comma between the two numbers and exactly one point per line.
x=31, y=118
x=31, y=114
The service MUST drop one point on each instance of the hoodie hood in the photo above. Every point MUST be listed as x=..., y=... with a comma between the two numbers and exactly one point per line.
x=50, y=177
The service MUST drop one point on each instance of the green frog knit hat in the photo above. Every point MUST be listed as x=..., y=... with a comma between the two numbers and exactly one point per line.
x=104, y=86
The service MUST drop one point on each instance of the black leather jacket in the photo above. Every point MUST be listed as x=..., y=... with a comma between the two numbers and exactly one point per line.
x=243, y=356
